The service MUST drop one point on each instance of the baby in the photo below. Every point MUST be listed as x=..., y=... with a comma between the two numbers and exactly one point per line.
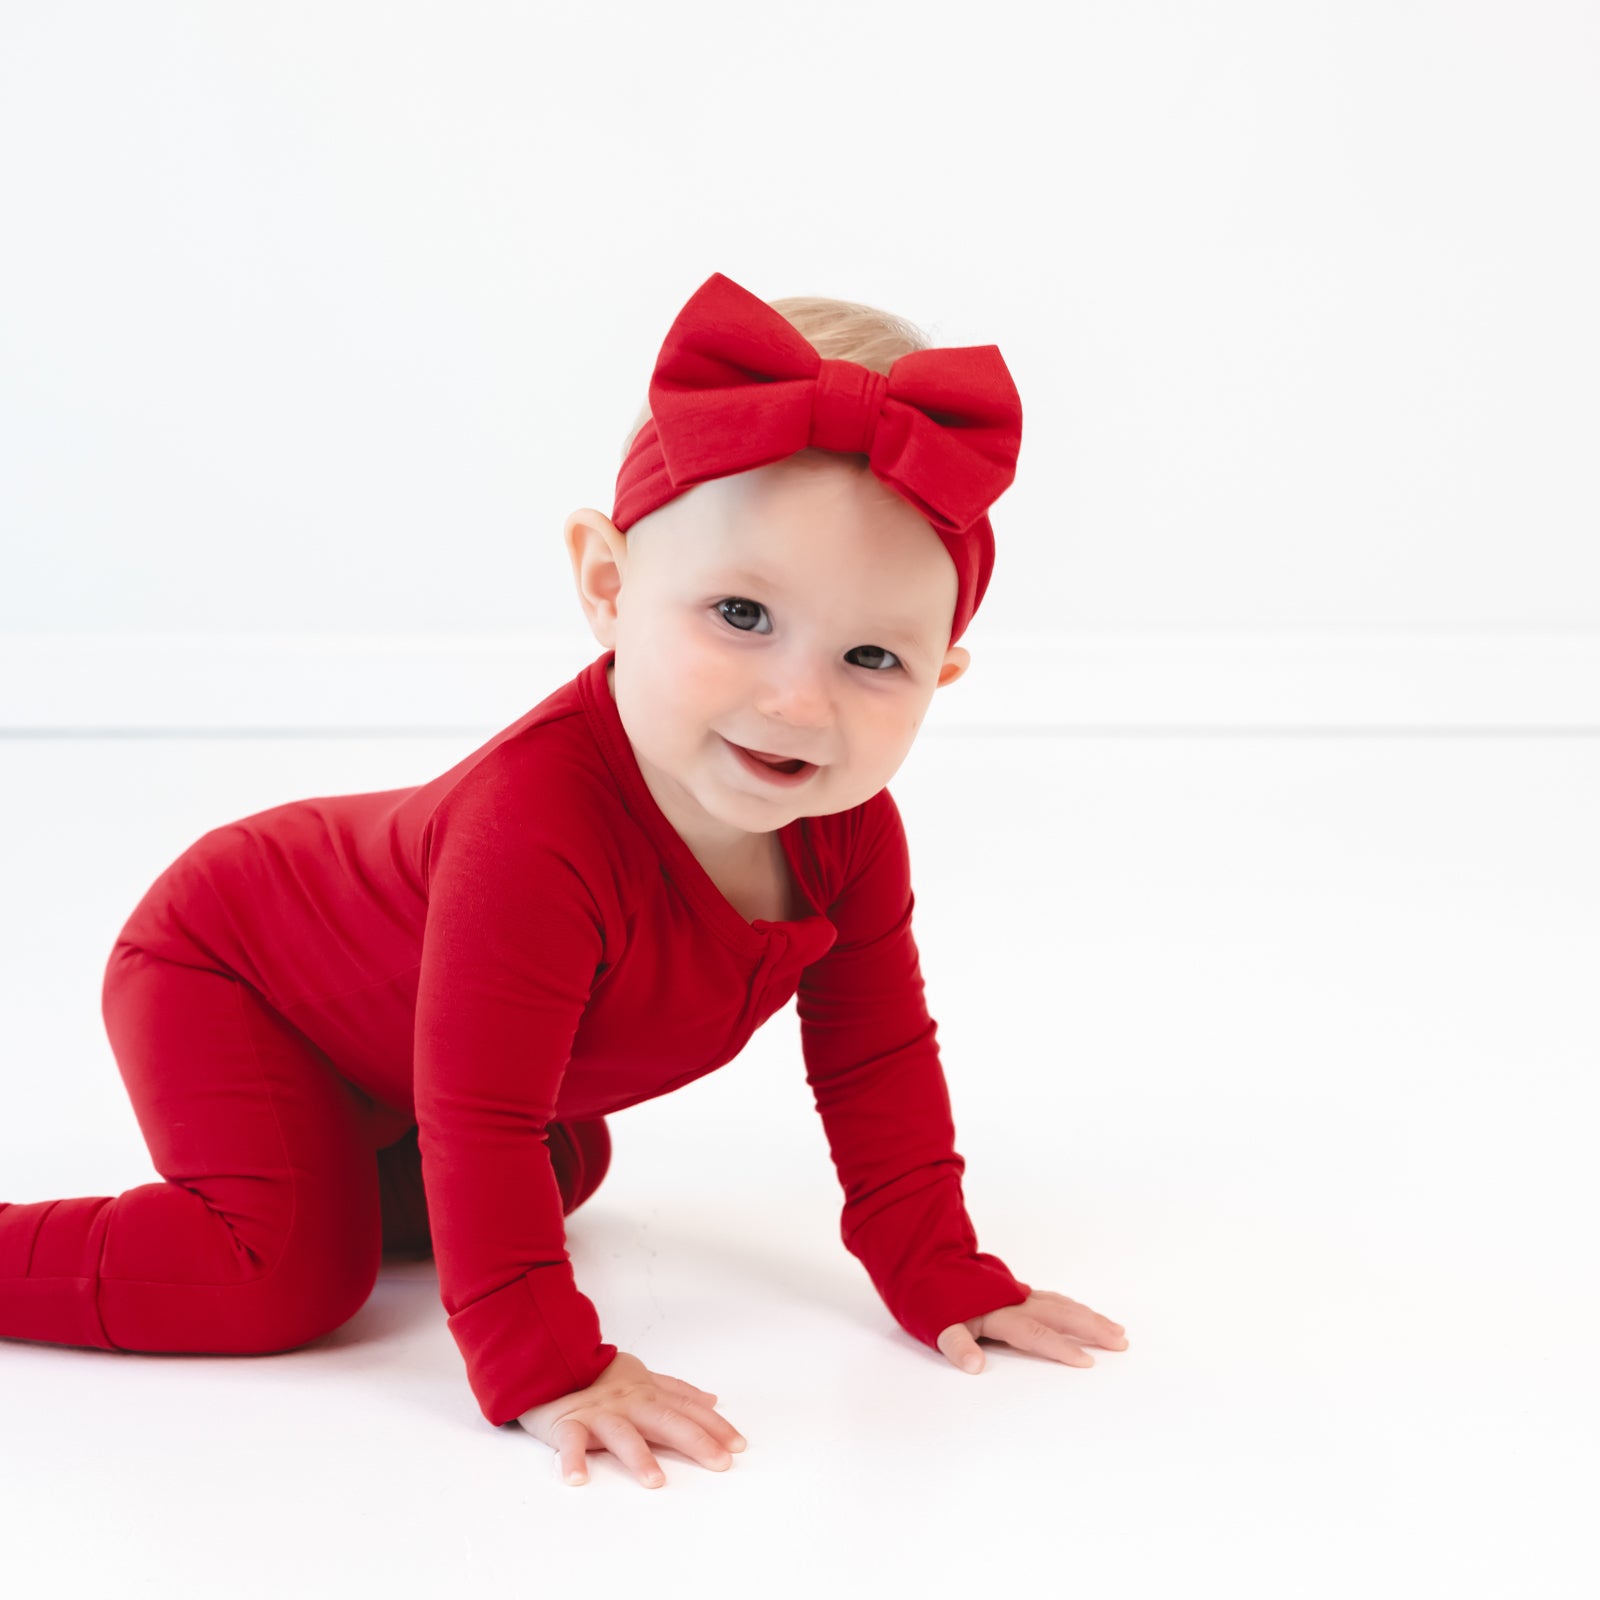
x=391, y=1021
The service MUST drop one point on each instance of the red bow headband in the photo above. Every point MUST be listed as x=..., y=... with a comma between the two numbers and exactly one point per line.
x=736, y=386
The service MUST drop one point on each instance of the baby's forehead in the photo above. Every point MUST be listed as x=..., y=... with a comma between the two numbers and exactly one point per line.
x=807, y=477
x=829, y=504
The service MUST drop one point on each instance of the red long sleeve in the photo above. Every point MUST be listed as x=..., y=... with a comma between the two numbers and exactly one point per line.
x=511, y=948
x=872, y=1060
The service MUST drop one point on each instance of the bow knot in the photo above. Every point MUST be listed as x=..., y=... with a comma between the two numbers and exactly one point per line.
x=845, y=402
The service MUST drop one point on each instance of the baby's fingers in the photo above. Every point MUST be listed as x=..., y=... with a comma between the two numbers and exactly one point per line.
x=626, y=1440
x=573, y=1452
x=628, y=1445
x=697, y=1431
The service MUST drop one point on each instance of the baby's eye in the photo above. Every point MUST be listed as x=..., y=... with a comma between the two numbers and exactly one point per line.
x=749, y=605
x=724, y=607
x=878, y=650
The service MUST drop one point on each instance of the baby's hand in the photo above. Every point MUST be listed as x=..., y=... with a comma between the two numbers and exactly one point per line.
x=625, y=1405
x=1046, y=1323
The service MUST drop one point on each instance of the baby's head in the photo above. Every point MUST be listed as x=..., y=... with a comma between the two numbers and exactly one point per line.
x=801, y=608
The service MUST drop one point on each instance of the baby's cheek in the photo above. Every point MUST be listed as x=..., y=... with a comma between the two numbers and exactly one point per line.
x=700, y=675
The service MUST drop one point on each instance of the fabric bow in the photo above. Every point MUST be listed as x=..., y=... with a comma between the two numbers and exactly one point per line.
x=736, y=386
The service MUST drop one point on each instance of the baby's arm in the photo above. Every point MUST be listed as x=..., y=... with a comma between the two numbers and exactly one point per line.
x=511, y=947
x=872, y=1061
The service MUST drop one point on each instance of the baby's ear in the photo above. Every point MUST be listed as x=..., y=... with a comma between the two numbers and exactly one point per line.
x=956, y=662
x=586, y=528
x=592, y=544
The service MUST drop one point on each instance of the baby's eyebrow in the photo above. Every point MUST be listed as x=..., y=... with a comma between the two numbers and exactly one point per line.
x=895, y=633
x=745, y=575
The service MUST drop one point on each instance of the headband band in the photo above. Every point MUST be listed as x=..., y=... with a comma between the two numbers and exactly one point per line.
x=736, y=386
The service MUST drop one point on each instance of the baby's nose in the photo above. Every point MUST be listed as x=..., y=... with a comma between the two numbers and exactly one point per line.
x=797, y=699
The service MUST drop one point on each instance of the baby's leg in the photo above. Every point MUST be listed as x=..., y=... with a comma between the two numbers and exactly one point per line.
x=265, y=1232
x=580, y=1153
x=401, y=1201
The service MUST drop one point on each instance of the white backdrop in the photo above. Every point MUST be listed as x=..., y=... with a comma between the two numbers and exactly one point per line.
x=316, y=320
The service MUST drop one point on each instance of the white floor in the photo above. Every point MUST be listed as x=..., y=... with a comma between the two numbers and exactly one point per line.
x=1280, y=1051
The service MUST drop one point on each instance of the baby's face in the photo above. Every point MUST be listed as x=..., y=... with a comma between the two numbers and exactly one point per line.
x=800, y=609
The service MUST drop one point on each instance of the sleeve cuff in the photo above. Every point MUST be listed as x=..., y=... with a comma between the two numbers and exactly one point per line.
x=963, y=1289
x=530, y=1342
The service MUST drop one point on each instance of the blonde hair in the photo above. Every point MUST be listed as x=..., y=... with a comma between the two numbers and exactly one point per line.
x=840, y=330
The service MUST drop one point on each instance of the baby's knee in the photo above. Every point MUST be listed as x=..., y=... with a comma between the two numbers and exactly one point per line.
x=318, y=1279
x=287, y=1315
x=580, y=1153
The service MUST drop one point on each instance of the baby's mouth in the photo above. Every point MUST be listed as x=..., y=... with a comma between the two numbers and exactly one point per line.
x=783, y=764
x=789, y=766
